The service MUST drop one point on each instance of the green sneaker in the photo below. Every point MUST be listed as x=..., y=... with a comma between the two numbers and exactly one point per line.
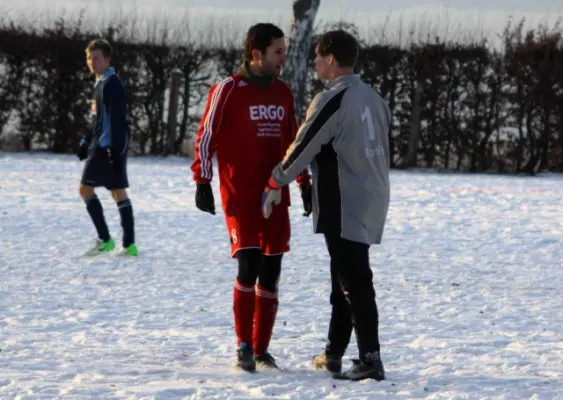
x=101, y=247
x=130, y=251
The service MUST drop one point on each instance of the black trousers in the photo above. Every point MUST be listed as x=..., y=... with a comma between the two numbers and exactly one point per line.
x=352, y=298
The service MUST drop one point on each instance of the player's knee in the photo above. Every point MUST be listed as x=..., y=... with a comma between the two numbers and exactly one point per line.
x=119, y=194
x=85, y=192
x=269, y=275
x=269, y=282
x=249, y=263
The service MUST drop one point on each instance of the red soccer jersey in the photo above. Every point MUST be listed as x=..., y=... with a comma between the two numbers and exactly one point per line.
x=250, y=129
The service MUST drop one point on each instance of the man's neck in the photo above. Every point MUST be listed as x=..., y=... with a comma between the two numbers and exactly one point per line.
x=252, y=74
x=255, y=69
x=98, y=77
x=342, y=72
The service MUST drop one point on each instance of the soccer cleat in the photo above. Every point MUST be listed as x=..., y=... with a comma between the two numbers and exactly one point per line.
x=266, y=360
x=245, y=358
x=130, y=251
x=331, y=363
x=101, y=247
x=370, y=368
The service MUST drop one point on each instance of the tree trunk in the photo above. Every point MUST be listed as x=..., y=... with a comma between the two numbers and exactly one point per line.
x=414, y=137
x=172, y=122
x=295, y=71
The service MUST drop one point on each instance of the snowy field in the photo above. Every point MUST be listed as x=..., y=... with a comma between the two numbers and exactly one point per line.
x=469, y=286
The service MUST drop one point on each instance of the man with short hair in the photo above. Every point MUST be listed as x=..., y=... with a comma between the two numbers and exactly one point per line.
x=249, y=121
x=345, y=138
x=105, y=150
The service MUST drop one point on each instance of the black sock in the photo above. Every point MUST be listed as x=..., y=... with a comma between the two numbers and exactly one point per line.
x=127, y=221
x=96, y=212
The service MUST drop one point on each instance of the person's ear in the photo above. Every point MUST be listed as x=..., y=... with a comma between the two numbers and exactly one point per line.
x=256, y=55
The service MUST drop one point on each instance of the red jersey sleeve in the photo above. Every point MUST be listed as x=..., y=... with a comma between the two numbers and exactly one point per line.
x=210, y=131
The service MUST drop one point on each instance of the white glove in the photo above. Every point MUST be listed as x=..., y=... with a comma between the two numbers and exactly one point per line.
x=269, y=198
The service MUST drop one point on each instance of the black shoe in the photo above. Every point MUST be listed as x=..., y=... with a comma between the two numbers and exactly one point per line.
x=326, y=362
x=245, y=358
x=266, y=360
x=369, y=368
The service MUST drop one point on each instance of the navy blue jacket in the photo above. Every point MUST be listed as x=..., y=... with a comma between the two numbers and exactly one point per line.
x=108, y=125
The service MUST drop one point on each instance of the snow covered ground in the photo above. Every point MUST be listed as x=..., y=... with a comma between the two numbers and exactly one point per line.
x=469, y=281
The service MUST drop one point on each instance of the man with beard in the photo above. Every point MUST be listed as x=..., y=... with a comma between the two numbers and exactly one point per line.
x=249, y=122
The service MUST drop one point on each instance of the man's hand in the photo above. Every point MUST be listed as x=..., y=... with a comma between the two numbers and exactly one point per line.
x=204, y=199
x=306, y=190
x=270, y=197
x=82, y=152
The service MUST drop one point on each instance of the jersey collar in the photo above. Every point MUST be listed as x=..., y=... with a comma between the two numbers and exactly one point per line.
x=107, y=74
x=260, y=81
x=344, y=80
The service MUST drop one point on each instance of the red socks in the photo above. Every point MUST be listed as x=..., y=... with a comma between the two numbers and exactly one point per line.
x=254, y=309
x=265, y=312
x=243, y=307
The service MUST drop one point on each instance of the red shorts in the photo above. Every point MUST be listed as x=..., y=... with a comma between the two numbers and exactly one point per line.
x=270, y=235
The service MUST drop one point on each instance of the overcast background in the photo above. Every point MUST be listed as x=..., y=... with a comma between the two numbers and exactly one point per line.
x=483, y=16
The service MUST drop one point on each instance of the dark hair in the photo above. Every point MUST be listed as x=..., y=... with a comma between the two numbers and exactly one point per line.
x=343, y=46
x=102, y=45
x=260, y=37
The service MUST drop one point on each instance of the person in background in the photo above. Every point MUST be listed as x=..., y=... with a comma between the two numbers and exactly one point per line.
x=105, y=150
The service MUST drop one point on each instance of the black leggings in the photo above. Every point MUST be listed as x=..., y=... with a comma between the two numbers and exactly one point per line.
x=252, y=265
